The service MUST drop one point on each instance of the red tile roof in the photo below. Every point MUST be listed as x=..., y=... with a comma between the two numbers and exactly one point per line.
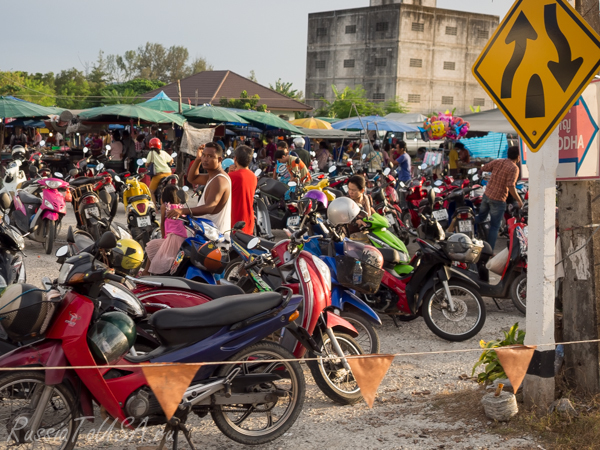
x=214, y=84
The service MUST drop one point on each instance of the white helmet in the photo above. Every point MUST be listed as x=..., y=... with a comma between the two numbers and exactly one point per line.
x=342, y=211
x=299, y=142
x=18, y=152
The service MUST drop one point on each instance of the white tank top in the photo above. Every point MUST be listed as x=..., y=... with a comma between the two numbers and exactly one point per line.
x=221, y=219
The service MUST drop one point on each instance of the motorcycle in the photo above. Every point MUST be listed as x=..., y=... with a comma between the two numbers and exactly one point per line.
x=87, y=203
x=140, y=210
x=13, y=177
x=12, y=266
x=230, y=328
x=39, y=217
x=262, y=220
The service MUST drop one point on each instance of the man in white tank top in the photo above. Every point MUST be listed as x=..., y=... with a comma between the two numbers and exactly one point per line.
x=215, y=203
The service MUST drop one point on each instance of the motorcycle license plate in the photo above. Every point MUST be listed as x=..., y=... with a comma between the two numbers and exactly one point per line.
x=465, y=226
x=109, y=188
x=440, y=214
x=293, y=221
x=390, y=219
x=144, y=221
x=92, y=213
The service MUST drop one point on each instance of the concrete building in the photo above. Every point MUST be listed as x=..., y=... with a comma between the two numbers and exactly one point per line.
x=407, y=49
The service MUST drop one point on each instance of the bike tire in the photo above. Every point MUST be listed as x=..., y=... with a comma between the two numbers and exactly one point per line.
x=514, y=292
x=50, y=227
x=428, y=307
x=292, y=371
x=367, y=338
x=231, y=266
x=318, y=371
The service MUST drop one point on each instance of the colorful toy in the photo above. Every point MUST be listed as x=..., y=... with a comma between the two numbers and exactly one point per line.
x=445, y=126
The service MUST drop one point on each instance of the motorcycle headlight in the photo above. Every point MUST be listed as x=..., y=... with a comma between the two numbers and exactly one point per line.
x=323, y=270
x=64, y=272
x=53, y=184
x=211, y=233
x=48, y=204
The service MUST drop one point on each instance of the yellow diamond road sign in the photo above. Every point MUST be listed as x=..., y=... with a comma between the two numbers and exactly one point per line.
x=537, y=64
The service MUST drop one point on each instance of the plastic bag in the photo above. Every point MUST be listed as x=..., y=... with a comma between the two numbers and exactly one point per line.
x=498, y=262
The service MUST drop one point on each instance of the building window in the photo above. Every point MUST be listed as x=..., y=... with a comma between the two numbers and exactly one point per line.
x=350, y=29
x=479, y=102
x=449, y=65
x=379, y=97
x=321, y=32
x=416, y=62
x=416, y=26
x=447, y=100
x=414, y=98
x=483, y=34
x=319, y=64
x=318, y=95
x=451, y=31
x=381, y=62
x=382, y=26
x=348, y=63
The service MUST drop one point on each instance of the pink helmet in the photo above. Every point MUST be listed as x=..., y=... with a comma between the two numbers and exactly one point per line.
x=319, y=196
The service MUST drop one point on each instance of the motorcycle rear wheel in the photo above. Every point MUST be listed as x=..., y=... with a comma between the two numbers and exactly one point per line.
x=255, y=424
x=331, y=376
x=50, y=227
x=518, y=292
x=61, y=413
x=367, y=338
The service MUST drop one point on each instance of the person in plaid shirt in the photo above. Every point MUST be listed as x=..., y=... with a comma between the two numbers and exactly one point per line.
x=505, y=173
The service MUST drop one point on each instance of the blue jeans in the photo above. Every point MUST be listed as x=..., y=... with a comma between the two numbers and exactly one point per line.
x=495, y=209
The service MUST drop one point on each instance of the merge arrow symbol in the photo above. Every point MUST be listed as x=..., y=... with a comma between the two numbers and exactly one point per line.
x=565, y=69
x=521, y=31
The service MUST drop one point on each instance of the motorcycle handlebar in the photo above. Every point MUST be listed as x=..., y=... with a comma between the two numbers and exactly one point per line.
x=113, y=277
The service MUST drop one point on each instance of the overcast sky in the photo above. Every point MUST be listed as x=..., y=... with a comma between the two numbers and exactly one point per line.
x=267, y=36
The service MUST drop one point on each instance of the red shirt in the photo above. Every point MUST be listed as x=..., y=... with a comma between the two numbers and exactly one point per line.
x=505, y=174
x=243, y=188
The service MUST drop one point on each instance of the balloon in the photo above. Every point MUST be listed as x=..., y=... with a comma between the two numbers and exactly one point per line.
x=438, y=130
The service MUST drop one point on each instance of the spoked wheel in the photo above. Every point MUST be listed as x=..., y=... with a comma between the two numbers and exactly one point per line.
x=518, y=292
x=367, y=338
x=331, y=376
x=464, y=322
x=257, y=424
x=19, y=394
x=50, y=226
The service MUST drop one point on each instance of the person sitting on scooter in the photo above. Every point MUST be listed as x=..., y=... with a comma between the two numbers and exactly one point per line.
x=356, y=191
x=295, y=166
x=162, y=252
x=161, y=161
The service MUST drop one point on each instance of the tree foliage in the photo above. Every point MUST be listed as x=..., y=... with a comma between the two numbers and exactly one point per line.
x=244, y=102
x=33, y=88
x=348, y=102
x=286, y=89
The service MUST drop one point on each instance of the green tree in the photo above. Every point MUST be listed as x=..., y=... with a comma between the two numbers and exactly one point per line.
x=244, y=102
x=198, y=65
x=252, y=76
x=286, y=89
x=72, y=88
x=113, y=96
x=349, y=102
x=27, y=87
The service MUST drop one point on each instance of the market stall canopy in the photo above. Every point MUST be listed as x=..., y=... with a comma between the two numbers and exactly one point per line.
x=314, y=133
x=266, y=119
x=492, y=120
x=411, y=118
x=212, y=114
x=167, y=106
x=160, y=96
x=11, y=108
x=26, y=123
x=328, y=119
x=312, y=123
x=373, y=123
x=122, y=114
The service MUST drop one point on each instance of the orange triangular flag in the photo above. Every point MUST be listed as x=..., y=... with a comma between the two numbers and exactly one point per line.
x=169, y=383
x=515, y=362
x=368, y=373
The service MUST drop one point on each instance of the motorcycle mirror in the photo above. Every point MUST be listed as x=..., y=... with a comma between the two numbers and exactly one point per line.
x=387, y=171
x=364, y=156
x=332, y=169
x=105, y=196
x=42, y=143
x=185, y=188
x=402, y=185
x=438, y=183
x=70, y=236
x=313, y=154
x=257, y=172
x=85, y=150
x=117, y=178
x=239, y=225
x=254, y=242
x=73, y=172
x=292, y=184
x=144, y=160
x=255, y=155
x=475, y=177
x=183, y=195
x=107, y=147
x=99, y=167
x=107, y=241
x=423, y=166
x=436, y=190
x=140, y=162
x=5, y=200
x=174, y=155
x=62, y=251
x=228, y=151
x=58, y=175
x=431, y=197
x=472, y=171
x=113, y=208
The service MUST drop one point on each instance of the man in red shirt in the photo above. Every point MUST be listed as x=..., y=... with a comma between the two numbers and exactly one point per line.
x=505, y=173
x=243, y=188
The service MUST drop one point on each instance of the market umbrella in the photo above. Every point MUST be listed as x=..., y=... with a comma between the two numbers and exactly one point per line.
x=312, y=123
x=210, y=114
x=373, y=123
x=12, y=108
x=116, y=113
x=268, y=119
x=328, y=119
x=168, y=106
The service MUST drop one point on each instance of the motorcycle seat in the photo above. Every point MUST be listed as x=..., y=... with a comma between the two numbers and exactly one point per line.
x=85, y=180
x=137, y=198
x=29, y=199
x=243, y=239
x=209, y=290
x=218, y=313
x=390, y=255
x=272, y=187
x=487, y=249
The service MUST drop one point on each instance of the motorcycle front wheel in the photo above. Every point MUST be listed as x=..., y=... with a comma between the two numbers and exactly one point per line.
x=367, y=338
x=518, y=292
x=333, y=379
x=464, y=322
x=50, y=227
x=20, y=391
x=257, y=424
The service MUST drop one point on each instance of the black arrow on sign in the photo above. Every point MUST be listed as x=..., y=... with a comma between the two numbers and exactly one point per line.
x=521, y=31
x=564, y=70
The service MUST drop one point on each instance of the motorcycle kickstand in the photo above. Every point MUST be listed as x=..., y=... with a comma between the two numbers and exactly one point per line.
x=497, y=304
x=395, y=319
x=176, y=425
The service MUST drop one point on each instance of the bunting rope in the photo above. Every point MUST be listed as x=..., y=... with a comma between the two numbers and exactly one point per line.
x=331, y=358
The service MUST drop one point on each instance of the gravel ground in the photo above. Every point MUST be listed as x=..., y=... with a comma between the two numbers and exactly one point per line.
x=403, y=415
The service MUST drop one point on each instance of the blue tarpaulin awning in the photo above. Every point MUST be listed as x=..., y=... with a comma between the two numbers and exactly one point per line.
x=494, y=145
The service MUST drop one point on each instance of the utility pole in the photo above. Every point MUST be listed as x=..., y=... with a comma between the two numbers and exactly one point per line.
x=578, y=218
x=180, y=156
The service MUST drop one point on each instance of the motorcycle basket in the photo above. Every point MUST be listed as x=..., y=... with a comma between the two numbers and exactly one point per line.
x=371, y=276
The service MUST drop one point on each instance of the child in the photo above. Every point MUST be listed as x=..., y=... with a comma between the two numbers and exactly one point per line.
x=162, y=252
